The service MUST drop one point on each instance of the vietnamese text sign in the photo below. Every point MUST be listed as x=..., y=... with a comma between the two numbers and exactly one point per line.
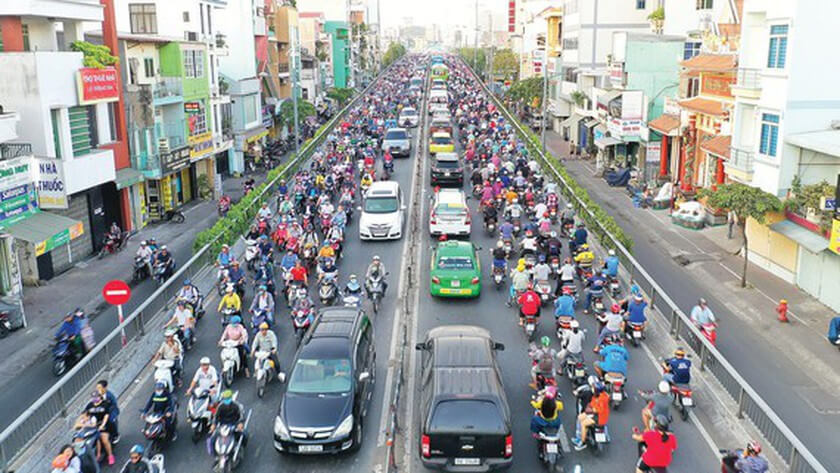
x=834, y=242
x=174, y=160
x=52, y=191
x=97, y=85
x=653, y=151
x=512, y=16
x=619, y=127
x=18, y=198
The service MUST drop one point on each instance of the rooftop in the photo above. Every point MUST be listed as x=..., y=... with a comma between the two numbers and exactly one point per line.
x=665, y=123
x=712, y=62
x=718, y=146
x=825, y=142
x=707, y=106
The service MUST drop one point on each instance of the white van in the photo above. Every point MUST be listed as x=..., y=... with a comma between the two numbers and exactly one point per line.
x=382, y=212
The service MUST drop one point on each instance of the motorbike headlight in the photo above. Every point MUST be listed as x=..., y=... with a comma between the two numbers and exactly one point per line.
x=280, y=429
x=344, y=428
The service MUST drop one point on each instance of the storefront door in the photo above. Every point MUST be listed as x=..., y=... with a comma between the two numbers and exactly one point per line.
x=96, y=214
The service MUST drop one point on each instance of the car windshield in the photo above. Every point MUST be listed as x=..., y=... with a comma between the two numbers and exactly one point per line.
x=409, y=112
x=395, y=135
x=321, y=376
x=442, y=140
x=447, y=164
x=455, y=262
x=451, y=209
x=381, y=205
x=467, y=415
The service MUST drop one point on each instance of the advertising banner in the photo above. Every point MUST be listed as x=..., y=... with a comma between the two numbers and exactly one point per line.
x=52, y=190
x=174, y=160
x=834, y=242
x=512, y=16
x=97, y=85
x=18, y=197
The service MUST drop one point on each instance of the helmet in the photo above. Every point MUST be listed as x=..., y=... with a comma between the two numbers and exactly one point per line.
x=137, y=448
x=702, y=301
x=753, y=446
x=515, y=200
x=611, y=252
x=263, y=287
x=615, y=308
x=170, y=332
x=550, y=392
x=575, y=324
x=205, y=360
x=545, y=341
x=542, y=258
x=500, y=244
x=553, y=234
x=599, y=387
x=227, y=394
x=160, y=385
x=229, y=288
x=264, y=325
x=187, y=282
x=661, y=421
x=584, y=246
x=568, y=290
x=181, y=302
x=664, y=387
x=376, y=257
x=679, y=352
x=143, y=243
x=163, y=247
x=235, y=319
x=569, y=205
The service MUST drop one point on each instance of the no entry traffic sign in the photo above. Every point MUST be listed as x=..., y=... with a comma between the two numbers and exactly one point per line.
x=116, y=292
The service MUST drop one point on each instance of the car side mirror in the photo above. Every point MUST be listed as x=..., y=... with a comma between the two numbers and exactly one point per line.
x=499, y=346
x=364, y=376
x=281, y=376
x=403, y=207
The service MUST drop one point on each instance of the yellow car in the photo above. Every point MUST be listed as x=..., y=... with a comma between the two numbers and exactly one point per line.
x=441, y=142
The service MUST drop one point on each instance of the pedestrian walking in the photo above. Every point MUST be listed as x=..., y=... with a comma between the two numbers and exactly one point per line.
x=731, y=220
x=782, y=310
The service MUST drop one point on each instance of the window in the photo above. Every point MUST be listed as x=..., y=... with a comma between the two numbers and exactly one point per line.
x=149, y=66
x=571, y=6
x=693, y=87
x=200, y=123
x=55, y=118
x=25, y=31
x=777, y=52
x=640, y=4
x=691, y=49
x=112, y=120
x=188, y=63
x=143, y=18
x=704, y=4
x=250, y=109
x=186, y=16
x=193, y=63
x=83, y=132
x=570, y=43
x=769, y=134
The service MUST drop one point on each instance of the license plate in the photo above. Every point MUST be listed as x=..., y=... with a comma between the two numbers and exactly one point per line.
x=529, y=327
x=600, y=437
x=579, y=373
x=310, y=448
x=444, y=290
x=551, y=448
x=467, y=461
x=687, y=401
x=447, y=174
x=455, y=283
x=637, y=334
x=616, y=396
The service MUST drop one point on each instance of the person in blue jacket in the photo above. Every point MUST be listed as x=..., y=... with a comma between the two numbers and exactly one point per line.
x=71, y=329
x=834, y=331
x=614, y=359
x=611, y=264
x=564, y=306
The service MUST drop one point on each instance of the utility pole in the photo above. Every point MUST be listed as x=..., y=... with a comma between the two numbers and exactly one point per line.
x=544, y=99
x=294, y=64
x=475, y=49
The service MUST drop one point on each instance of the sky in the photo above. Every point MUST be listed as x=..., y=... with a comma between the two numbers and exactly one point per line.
x=441, y=12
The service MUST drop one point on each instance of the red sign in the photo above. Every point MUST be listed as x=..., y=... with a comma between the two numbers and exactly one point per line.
x=97, y=85
x=717, y=84
x=512, y=16
x=116, y=292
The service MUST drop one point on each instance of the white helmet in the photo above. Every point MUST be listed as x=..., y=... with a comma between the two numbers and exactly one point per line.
x=204, y=361
x=569, y=205
x=612, y=252
x=575, y=324
x=664, y=387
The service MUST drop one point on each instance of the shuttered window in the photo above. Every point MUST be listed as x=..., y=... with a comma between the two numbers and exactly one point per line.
x=82, y=129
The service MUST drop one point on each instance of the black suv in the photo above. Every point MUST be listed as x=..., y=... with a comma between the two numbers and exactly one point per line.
x=447, y=169
x=330, y=386
x=465, y=419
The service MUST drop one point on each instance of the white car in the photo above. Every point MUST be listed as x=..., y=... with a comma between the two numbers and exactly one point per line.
x=408, y=117
x=438, y=107
x=382, y=212
x=449, y=214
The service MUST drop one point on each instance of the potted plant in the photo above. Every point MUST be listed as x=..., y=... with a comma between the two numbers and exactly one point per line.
x=657, y=19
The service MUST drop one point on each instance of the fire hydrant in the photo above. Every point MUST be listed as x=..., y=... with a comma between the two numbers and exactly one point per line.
x=782, y=309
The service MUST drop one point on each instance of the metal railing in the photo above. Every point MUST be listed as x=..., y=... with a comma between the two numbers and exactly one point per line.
x=750, y=404
x=57, y=401
x=168, y=87
x=741, y=159
x=748, y=78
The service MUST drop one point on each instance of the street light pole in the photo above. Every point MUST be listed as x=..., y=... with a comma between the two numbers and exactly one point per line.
x=294, y=67
x=544, y=104
x=475, y=49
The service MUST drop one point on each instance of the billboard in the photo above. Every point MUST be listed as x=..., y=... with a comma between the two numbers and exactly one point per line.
x=97, y=85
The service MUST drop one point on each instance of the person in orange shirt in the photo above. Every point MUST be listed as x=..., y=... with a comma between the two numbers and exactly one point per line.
x=596, y=412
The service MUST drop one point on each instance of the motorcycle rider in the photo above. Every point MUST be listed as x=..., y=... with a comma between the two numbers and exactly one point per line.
x=701, y=314
x=352, y=288
x=529, y=243
x=552, y=246
x=614, y=359
x=236, y=276
x=164, y=258
x=547, y=410
x=542, y=360
x=96, y=414
x=567, y=276
x=611, y=264
x=595, y=288
x=236, y=332
x=529, y=304
x=513, y=210
x=299, y=274
x=659, y=446
x=190, y=293
x=564, y=306
x=542, y=270
x=376, y=270
x=171, y=350
x=568, y=216
x=572, y=343
x=579, y=239
x=230, y=300
x=224, y=258
x=162, y=402
x=596, y=412
x=636, y=312
x=71, y=329
x=266, y=340
x=263, y=302
x=677, y=369
x=146, y=254
x=584, y=259
x=136, y=462
x=489, y=212
x=184, y=319
x=229, y=412
x=659, y=403
x=206, y=378
x=265, y=247
x=751, y=460
x=613, y=326
x=499, y=255
x=264, y=212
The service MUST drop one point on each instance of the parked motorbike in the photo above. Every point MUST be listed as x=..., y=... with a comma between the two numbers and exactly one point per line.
x=199, y=413
x=174, y=215
x=5, y=324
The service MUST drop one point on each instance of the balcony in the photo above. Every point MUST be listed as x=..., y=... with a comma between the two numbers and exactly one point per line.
x=171, y=135
x=748, y=83
x=8, y=126
x=15, y=150
x=168, y=90
x=740, y=165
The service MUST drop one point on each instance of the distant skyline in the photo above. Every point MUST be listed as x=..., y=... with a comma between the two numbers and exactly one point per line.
x=444, y=13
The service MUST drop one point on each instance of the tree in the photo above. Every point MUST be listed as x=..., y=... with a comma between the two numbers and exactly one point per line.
x=393, y=53
x=746, y=202
x=340, y=95
x=525, y=91
x=505, y=63
x=480, y=56
x=287, y=112
x=95, y=55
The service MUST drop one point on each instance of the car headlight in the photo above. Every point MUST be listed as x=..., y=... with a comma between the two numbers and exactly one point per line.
x=280, y=429
x=344, y=428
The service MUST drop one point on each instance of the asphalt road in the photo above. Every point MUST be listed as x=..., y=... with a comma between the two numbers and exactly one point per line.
x=489, y=311
x=782, y=383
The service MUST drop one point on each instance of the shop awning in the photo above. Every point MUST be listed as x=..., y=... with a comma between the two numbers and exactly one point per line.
x=46, y=231
x=591, y=122
x=609, y=96
x=572, y=121
x=127, y=177
x=806, y=238
x=665, y=124
x=605, y=141
x=718, y=146
x=707, y=106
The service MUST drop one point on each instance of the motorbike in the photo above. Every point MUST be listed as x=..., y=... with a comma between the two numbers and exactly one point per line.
x=199, y=413
x=597, y=439
x=543, y=288
x=549, y=448
x=301, y=320
x=154, y=429
x=174, y=215
x=231, y=363
x=141, y=270
x=709, y=331
x=223, y=206
x=162, y=272
x=228, y=447
x=258, y=318
x=156, y=464
x=498, y=276
x=63, y=356
x=251, y=253
x=615, y=383
x=222, y=279
x=5, y=324
x=490, y=226
x=376, y=289
x=165, y=373
x=352, y=300
x=728, y=459
x=554, y=264
x=530, y=327
x=575, y=369
x=613, y=286
x=598, y=305
x=508, y=245
x=264, y=371
x=114, y=245
x=563, y=323
x=571, y=284
x=187, y=341
x=682, y=399
x=328, y=290
x=517, y=226
x=227, y=313
x=635, y=332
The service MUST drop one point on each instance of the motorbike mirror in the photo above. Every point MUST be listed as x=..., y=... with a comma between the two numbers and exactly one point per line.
x=281, y=376
x=363, y=376
x=498, y=346
x=420, y=346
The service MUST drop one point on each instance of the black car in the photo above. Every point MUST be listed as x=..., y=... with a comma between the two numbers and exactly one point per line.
x=330, y=386
x=465, y=419
x=447, y=169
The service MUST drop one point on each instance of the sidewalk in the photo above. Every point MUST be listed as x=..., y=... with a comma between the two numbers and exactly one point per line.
x=711, y=262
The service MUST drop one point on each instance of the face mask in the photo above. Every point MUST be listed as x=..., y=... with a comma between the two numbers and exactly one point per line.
x=227, y=401
x=79, y=448
x=159, y=393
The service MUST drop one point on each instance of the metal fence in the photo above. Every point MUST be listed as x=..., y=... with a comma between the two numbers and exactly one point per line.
x=55, y=403
x=749, y=404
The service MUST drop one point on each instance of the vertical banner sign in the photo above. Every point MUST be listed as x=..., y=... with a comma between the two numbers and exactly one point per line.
x=52, y=191
x=512, y=16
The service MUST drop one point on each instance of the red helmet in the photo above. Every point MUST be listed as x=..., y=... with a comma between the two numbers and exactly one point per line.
x=568, y=290
x=753, y=446
x=615, y=308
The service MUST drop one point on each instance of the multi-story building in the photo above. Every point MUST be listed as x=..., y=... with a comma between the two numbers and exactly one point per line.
x=530, y=37
x=239, y=77
x=69, y=114
x=173, y=99
x=315, y=41
x=339, y=32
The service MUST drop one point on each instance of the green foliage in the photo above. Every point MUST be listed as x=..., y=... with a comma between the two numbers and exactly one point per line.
x=341, y=95
x=393, y=53
x=807, y=198
x=287, y=112
x=480, y=56
x=524, y=91
x=205, y=190
x=657, y=15
x=505, y=64
x=578, y=98
x=95, y=55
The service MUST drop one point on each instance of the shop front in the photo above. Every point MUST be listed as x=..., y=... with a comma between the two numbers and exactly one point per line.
x=132, y=180
x=174, y=188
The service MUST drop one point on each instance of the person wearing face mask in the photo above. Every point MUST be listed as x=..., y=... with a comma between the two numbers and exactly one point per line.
x=229, y=412
x=162, y=402
x=136, y=463
x=86, y=456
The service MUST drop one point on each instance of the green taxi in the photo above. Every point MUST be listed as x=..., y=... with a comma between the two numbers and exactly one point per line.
x=455, y=270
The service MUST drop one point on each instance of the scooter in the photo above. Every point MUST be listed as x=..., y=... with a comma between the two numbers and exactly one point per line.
x=165, y=373
x=575, y=370
x=327, y=290
x=141, y=270
x=301, y=320
x=63, y=356
x=498, y=276
x=155, y=464
x=530, y=327
x=635, y=332
x=376, y=289
x=598, y=305
x=114, y=245
x=251, y=253
x=613, y=286
x=508, y=245
x=709, y=331
x=175, y=216
x=615, y=383
x=490, y=227
x=154, y=429
x=597, y=439
x=228, y=447
x=231, y=363
x=728, y=460
x=682, y=399
x=543, y=288
x=549, y=448
x=227, y=314
x=264, y=371
x=199, y=413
